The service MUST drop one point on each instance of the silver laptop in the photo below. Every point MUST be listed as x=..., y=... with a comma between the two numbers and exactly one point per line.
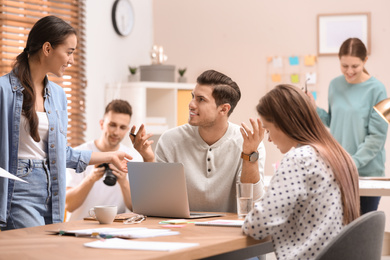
x=159, y=190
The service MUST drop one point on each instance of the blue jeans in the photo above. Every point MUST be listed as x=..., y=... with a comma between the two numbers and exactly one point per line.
x=31, y=202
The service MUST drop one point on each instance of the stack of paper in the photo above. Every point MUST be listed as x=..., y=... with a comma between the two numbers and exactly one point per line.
x=121, y=232
x=5, y=174
x=221, y=222
x=117, y=243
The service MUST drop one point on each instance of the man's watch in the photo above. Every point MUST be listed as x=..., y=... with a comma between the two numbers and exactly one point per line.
x=253, y=157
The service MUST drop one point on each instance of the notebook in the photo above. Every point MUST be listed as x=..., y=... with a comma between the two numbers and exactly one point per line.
x=159, y=190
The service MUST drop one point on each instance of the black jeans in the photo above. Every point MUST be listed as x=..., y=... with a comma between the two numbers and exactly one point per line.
x=368, y=204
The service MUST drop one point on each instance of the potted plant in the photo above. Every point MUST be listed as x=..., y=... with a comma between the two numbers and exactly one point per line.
x=181, y=73
x=133, y=72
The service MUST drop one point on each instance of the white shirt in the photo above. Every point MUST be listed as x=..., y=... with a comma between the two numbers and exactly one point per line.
x=100, y=194
x=28, y=148
x=301, y=209
x=211, y=170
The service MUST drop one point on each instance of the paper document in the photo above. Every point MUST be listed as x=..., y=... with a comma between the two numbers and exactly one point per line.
x=121, y=232
x=221, y=222
x=5, y=174
x=117, y=243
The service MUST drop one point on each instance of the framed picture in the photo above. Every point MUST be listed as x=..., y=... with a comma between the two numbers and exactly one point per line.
x=334, y=29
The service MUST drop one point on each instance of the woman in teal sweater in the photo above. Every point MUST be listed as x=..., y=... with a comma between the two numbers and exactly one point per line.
x=351, y=117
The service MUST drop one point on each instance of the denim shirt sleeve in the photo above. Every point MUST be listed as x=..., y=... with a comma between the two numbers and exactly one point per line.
x=77, y=159
x=11, y=99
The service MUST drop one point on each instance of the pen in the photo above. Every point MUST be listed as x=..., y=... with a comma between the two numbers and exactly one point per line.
x=132, y=134
x=98, y=235
x=105, y=236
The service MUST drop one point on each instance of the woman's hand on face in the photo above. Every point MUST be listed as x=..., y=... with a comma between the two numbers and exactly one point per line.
x=252, y=138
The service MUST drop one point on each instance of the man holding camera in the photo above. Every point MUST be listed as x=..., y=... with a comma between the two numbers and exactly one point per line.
x=103, y=184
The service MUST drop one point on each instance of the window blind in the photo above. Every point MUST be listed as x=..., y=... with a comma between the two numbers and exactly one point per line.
x=17, y=19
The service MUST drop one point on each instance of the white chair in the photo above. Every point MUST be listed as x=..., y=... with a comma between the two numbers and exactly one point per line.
x=360, y=239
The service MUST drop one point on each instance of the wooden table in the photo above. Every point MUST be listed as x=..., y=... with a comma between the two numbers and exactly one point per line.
x=214, y=242
x=375, y=186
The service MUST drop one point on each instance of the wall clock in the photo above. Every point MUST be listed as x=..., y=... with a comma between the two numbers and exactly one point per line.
x=122, y=17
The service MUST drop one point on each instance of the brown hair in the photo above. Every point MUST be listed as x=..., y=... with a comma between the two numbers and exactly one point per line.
x=291, y=111
x=354, y=47
x=225, y=90
x=48, y=29
x=119, y=106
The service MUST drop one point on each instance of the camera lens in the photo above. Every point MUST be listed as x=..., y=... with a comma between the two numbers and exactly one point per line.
x=108, y=178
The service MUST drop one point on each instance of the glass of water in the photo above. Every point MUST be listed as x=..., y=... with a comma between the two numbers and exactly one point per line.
x=244, y=198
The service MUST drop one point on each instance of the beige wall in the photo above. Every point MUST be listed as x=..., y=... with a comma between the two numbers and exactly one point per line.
x=235, y=37
x=109, y=55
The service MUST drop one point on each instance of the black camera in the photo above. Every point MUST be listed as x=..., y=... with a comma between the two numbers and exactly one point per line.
x=108, y=178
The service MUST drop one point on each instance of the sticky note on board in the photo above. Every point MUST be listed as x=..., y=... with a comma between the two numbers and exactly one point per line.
x=269, y=59
x=277, y=62
x=276, y=77
x=314, y=93
x=294, y=78
x=311, y=78
x=310, y=60
x=294, y=60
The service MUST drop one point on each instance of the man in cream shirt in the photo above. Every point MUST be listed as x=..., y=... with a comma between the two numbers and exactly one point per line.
x=215, y=152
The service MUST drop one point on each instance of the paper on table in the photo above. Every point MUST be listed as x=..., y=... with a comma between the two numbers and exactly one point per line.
x=5, y=174
x=123, y=232
x=117, y=243
x=221, y=222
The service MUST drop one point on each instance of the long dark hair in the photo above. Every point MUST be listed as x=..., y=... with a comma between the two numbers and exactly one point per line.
x=291, y=111
x=48, y=29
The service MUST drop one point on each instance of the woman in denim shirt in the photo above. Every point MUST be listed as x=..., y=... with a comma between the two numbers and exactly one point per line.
x=33, y=115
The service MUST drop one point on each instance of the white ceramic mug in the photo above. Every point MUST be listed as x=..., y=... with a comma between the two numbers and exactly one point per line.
x=104, y=214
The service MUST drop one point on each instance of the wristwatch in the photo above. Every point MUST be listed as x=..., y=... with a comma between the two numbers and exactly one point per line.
x=250, y=157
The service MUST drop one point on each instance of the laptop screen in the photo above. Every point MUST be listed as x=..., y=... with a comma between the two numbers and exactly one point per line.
x=158, y=189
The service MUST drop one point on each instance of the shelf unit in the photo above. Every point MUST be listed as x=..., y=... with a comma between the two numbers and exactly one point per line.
x=152, y=99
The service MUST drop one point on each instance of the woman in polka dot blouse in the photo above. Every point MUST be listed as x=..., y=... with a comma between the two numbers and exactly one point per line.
x=315, y=190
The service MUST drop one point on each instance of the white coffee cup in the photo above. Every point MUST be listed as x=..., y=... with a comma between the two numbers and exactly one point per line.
x=104, y=214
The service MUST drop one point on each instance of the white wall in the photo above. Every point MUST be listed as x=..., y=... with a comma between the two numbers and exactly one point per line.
x=109, y=55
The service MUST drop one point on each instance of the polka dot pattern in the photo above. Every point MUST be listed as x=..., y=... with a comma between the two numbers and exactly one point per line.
x=301, y=209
